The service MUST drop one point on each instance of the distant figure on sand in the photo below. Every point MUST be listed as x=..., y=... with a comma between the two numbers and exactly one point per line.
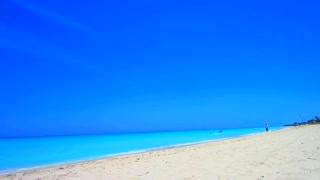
x=267, y=128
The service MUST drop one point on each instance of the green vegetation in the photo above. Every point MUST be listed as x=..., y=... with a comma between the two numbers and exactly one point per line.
x=315, y=120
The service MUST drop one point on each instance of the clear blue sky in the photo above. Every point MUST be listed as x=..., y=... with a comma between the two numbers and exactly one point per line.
x=74, y=67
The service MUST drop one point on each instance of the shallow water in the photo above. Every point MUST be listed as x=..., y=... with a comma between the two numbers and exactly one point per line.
x=18, y=153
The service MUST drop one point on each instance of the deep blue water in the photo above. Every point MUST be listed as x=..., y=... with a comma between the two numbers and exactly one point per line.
x=18, y=153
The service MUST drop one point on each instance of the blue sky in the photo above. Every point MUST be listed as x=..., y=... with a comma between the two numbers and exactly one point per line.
x=78, y=67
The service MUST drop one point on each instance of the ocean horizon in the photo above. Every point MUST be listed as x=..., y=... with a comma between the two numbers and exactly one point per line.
x=31, y=152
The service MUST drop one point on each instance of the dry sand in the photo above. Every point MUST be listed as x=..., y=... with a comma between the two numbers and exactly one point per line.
x=286, y=154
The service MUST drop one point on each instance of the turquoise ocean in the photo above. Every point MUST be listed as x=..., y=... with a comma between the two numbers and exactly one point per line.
x=24, y=153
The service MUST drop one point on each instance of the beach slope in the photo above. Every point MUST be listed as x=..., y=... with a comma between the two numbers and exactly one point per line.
x=292, y=153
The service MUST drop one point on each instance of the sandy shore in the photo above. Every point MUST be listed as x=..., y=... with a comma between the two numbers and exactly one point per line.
x=287, y=154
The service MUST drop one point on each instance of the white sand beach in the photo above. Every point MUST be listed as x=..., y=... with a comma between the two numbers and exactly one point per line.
x=292, y=153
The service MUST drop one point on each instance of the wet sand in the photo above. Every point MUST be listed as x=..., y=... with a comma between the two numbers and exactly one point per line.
x=292, y=153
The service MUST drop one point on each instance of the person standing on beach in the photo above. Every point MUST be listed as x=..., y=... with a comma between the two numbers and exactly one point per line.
x=267, y=128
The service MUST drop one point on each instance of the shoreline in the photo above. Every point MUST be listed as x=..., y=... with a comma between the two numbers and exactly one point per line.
x=126, y=154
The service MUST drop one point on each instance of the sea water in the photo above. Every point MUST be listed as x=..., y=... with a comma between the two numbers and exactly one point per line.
x=17, y=153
